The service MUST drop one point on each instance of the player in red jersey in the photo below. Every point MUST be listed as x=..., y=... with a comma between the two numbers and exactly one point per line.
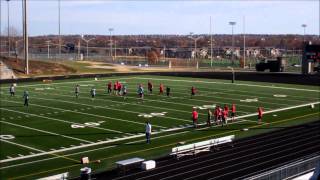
x=161, y=88
x=195, y=117
x=119, y=87
x=224, y=117
x=260, y=114
x=109, y=86
x=216, y=114
x=233, y=112
x=150, y=87
x=226, y=108
x=115, y=88
x=193, y=91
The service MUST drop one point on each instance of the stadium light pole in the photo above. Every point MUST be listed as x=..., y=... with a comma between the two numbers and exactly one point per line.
x=211, y=57
x=232, y=23
x=8, y=21
x=195, y=43
x=244, y=42
x=59, y=20
x=304, y=31
x=110, y=39
x=87, y=41
x=25, y=37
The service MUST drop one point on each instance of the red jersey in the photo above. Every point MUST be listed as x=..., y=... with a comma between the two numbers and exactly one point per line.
x=161, y=88
x=115, y=86
x=233, y=108
x=109, y=85
x=226, y=108
x=150, y=86
x=216, y=112
x=119, y=86
x=225, y=113
x=260, y=111
x=193, y=90
x=194, y=115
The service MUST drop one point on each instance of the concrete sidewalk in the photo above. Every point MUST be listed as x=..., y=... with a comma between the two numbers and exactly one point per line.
x=5, y=72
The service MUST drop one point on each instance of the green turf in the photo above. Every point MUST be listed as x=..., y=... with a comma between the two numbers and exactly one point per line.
x=46, y=124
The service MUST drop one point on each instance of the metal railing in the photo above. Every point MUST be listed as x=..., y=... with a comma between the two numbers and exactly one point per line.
x=289, y=171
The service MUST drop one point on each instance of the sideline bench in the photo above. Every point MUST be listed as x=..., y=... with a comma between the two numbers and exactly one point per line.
x=193, y=149
x=133, y=162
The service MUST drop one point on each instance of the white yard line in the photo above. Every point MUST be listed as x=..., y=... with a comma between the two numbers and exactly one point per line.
x=255, y=95
x=103, y=107
x=102, y=148
x=142, y=135
x=152, y=100
x=47, y=132
x=236, y=84
x=60, y=120
x=105, y=79
x=78, y=112
x=24, y=146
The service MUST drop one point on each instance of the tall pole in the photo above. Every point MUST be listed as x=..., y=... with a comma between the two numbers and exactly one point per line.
x=59, y=18
x=244, y=41
x=211, y=43
x=232, y=52
x=304, y=32
x=48, y=44
x=25, y=36
x=110, y=30
x=79, y=49
x=8, y=16
x=0, y=27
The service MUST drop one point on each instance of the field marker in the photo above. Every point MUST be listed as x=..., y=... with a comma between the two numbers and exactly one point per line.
x=9, y=157
x=31, y=152
x=43, y=131
x=52, y=149
x=20, y=155
x=89, y=113
x=69, y=122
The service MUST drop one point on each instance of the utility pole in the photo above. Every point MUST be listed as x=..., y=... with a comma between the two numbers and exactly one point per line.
x=0, y=27
x=8, y=16
x=48, y=44
x=211, y=43
x=244, y=41
x=304, y=32
x=25, y=37
x=110, y=38
x=232, y=52
x=59, y=19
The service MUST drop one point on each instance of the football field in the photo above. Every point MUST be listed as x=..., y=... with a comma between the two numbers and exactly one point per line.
x=52, y=134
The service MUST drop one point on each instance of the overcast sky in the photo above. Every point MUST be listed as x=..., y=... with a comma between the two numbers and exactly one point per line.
x=165, y=17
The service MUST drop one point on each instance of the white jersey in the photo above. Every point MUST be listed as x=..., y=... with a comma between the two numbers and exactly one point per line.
x=12, y=89
x=148, y=128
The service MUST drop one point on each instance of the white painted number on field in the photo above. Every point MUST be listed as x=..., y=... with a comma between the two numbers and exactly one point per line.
x=280, y=95
x=249, y=100
x=6, y=137
x=87, y=124
x=145, y=115
x=205, y=107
